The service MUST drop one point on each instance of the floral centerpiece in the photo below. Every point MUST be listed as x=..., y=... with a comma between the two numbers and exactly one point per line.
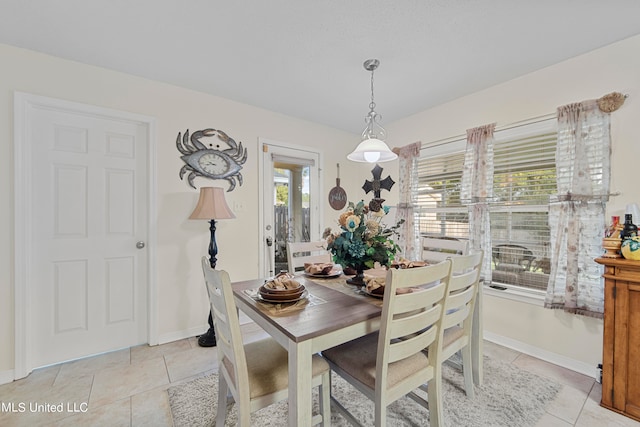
x=363, y=239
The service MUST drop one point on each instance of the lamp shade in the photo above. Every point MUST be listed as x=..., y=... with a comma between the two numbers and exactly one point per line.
x=212, y=205
x=372, y=150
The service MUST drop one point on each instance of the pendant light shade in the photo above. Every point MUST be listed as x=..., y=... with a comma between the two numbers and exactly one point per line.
x=372, y=149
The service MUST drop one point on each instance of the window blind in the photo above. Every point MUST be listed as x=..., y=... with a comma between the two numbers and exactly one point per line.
x=440, y=212
x=524, y=182
x=289, y=160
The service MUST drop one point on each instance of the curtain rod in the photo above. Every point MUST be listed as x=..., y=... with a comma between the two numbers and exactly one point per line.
x=508, y=126
x=513, y=125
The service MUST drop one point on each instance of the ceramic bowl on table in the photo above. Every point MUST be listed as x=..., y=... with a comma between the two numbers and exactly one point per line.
x=283, y=287
x=322, y=270
x=281, y=292
x=282, y=295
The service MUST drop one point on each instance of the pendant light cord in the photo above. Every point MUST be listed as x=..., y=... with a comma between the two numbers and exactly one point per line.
x=372, y=105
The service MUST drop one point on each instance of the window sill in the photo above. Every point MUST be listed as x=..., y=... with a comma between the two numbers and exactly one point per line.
x=516, y=293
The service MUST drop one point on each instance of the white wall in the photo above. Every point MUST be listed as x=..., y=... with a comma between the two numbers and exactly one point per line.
x=552, y=334
x=181, y=293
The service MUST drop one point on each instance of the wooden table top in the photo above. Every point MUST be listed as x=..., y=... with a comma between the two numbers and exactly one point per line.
x=332, y=307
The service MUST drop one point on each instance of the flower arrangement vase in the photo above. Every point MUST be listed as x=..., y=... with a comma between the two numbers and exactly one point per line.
x=358, y=279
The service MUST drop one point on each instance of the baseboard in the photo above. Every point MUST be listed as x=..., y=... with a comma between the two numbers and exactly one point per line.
x=548, y=356
x=195, y=331
x=6, y=376
x=180, y=335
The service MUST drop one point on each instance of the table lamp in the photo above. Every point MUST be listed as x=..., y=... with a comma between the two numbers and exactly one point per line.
x=212, y=206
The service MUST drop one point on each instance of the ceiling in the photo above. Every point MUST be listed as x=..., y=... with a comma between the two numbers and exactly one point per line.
x=304, y=58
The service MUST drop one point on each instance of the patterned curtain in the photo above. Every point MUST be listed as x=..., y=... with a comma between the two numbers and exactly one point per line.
x=577, y=214
x=409, y=239
x=477, y=190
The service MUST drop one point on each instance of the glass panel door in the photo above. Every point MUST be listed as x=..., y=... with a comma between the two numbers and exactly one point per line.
x=292, y=222
x=290, y=202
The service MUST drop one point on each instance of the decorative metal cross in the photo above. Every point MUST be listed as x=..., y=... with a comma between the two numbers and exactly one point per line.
x=376, y=184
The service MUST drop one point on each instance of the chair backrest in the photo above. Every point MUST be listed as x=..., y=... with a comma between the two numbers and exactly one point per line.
x=463, y=290
x=411, y=322
x=435, y=249
x=233, y=362
x=298, y=253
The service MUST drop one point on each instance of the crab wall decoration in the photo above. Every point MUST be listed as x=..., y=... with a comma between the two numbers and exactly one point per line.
x=211, y=162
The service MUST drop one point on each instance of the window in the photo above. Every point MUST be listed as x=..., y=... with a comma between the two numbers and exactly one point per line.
x=440, y=212
x=524, y=180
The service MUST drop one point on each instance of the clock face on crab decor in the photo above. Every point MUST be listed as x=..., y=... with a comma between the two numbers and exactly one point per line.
x=209, y=162
x=213, y=164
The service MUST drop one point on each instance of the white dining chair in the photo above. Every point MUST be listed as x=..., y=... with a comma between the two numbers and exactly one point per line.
x=299, y=253
x=435, y=249
x=459, y=309
x=391, y=363
x=254, y=375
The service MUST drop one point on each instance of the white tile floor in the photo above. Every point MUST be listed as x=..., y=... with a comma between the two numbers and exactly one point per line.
x=129, y=388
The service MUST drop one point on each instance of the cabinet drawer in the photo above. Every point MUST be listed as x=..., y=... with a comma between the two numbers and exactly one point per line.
x=630, y=274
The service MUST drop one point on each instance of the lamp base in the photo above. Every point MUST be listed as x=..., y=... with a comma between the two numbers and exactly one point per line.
x=213, y=246
x=208, y=339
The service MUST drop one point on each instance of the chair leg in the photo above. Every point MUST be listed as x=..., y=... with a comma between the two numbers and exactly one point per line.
x=435, y=398
x=337, y=406
x=467, y=370
x=324, y=397
x=381, y=414
x=223, y=391
x=244, y=416
x=477, y=339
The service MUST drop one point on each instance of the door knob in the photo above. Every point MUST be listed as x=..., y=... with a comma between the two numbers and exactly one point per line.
x=140, y=245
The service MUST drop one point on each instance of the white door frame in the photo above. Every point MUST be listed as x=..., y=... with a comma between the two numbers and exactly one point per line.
x=315, y=204
x=23, y=216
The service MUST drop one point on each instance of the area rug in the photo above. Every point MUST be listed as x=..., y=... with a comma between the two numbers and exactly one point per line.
x=509, y=397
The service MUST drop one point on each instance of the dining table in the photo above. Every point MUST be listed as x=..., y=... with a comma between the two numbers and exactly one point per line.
x=332, y=313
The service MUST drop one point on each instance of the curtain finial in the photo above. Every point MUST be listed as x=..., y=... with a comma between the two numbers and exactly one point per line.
x=611, y=102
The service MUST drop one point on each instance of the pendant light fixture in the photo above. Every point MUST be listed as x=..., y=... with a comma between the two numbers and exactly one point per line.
x=372, y=149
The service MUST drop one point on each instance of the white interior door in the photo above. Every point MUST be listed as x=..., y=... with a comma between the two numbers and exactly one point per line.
x=88, y=205
x=290, y=201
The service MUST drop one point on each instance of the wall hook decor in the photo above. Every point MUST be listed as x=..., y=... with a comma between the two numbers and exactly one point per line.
x=337, y=195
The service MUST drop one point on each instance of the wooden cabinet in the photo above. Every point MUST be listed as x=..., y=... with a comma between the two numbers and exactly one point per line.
x=621, y=340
